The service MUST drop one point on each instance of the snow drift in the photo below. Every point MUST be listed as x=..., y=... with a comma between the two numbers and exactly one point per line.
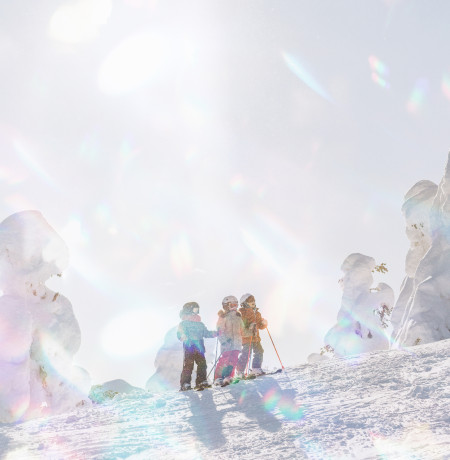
x=39, y=333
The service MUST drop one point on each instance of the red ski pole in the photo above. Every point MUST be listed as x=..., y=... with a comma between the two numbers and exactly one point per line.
x=282, y=367
x=248, y=357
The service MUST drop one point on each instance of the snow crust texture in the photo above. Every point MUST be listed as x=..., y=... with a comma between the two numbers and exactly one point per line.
x=39, y=333
x=422, y=312
x=387, y=404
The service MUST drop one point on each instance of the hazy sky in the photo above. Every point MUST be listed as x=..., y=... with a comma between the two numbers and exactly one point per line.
x=189, y=150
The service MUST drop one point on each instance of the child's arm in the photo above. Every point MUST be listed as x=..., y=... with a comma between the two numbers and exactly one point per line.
x=180, y=333
x=262, y=323
x=209, y=334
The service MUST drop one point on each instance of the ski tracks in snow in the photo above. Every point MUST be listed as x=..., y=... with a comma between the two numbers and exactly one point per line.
x=392, y=405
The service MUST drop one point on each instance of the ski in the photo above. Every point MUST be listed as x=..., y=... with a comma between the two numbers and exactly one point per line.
x=196, y=388
x=278, y=371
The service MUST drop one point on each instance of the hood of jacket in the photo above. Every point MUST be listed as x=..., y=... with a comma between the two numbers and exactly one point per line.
x=189, y=316
x=223, y=313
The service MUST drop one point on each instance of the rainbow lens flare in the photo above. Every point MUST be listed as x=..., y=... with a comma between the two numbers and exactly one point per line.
x=379, y=71
x=418, y=96
x=445, y=86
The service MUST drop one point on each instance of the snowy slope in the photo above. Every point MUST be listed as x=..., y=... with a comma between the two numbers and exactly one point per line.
x=386, y=404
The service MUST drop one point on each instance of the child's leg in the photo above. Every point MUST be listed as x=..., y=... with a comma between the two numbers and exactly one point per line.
x=242, y=361
x=228, y=368
x=223, y=360
x=201, y=367
x=258, y=353
x=233, y=361
x=188, y=366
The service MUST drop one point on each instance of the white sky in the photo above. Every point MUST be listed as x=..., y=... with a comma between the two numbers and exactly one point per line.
x=193, y=150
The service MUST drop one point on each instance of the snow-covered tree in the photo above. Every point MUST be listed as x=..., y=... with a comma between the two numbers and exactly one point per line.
x=425, y=312
x=417, y=212
x=362, y=318
x=39, y=333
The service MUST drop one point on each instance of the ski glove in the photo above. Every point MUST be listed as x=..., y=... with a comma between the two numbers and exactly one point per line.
x=263, y=323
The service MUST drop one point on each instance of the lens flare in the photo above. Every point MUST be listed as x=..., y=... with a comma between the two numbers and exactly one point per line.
x=300, y=71
x=20, y=407
x=181, y=255
x=80, y=21
x=242, y=397
x=377, y=66
x=445, y=86
x=132, y=333
x=271, y=399
x=11, y=177
x=28, y=157
x=379, y=71
x=237, y=183
x=402, y=447
x=74, y=233
x=277, y=398
x=380, y=81
x=18, y=454
x=418, y=96
x=132, y=64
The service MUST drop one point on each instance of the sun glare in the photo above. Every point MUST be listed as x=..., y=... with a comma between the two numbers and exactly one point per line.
x=131, y=64
x=80, y=21
x=132, y=333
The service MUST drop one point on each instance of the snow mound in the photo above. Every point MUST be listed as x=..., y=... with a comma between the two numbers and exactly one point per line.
x=39, y=331
x=120, y=386
x=111, y=389
x=361, y=325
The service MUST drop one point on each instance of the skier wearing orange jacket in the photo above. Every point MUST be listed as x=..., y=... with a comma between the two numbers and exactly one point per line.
x=251, y=341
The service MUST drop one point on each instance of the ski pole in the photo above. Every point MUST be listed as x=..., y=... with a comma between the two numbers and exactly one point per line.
x=214, y=366
x=248, y=357
x=282, y=367
x=217, y=347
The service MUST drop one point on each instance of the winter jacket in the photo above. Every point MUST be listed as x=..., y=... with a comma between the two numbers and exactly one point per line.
x=250, y=316
x=191, y=331
x=230, y=328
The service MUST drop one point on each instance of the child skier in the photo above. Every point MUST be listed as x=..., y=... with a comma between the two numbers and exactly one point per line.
x=230, y=328
x=191, y=331
x=251, y=341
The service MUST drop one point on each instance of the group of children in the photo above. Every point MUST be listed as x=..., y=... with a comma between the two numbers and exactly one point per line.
x=238, y=335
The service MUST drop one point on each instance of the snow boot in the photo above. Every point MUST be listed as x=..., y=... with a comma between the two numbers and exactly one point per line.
x=226, y=381
x=257, y=371
x=185, y=387
x=201, y=386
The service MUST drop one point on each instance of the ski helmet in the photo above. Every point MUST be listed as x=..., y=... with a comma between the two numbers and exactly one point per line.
x=247, y=298
x=229, y=299
x=188, y=307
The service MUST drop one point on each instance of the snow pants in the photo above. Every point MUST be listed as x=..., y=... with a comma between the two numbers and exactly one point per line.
x=258, y=353
x=226, y=364
x=191, y=357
